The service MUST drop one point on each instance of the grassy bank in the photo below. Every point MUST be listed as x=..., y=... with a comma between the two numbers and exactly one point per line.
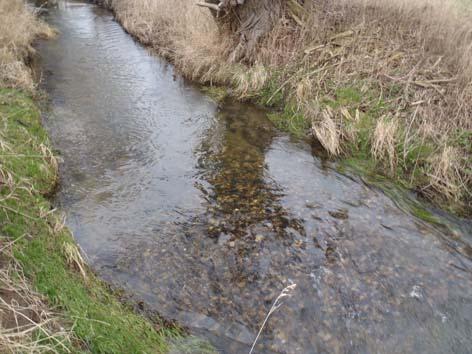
x=383, y=84
x=50, y=302
x=88, y=317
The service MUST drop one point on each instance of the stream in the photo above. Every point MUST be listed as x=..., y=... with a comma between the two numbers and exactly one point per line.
x=205, y=212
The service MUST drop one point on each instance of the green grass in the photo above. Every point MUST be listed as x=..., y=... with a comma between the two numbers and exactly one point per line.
x=290, y=120
x=101, y=323
x=347, y=97
x=272, y=94
x=217, y=93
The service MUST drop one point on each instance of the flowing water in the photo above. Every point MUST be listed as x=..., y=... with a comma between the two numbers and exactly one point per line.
x=205, y=212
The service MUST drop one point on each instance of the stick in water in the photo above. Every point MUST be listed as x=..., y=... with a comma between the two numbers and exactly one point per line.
x=277, y=303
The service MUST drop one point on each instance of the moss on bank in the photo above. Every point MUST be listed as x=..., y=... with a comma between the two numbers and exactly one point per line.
x=46, y=250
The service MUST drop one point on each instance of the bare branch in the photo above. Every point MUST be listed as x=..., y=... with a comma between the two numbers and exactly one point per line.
x=210, y=6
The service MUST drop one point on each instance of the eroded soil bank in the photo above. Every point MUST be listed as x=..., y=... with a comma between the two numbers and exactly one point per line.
x=206, y=212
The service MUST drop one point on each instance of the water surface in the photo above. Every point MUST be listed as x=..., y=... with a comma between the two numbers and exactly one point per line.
x=206, y=213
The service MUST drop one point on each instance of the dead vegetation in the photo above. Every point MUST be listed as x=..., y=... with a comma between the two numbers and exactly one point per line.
x=383, y=80
x=408, y=61
x=18, y=29
x=27, y=325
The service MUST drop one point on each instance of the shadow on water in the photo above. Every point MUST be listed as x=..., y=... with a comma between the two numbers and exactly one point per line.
x=207, y=213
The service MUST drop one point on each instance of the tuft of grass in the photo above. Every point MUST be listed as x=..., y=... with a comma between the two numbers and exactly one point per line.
x=384, y=141
x=45, y=249
x=248, y=82
x=347, y=97
x=327, y=131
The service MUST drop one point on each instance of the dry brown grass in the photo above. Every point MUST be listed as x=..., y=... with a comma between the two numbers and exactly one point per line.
x=27, y=325
x=178, y=32
x=327, y=132
x=446, y=173
x=384, y=141
x=18, y=29
x=251, y=80
x=74, y=258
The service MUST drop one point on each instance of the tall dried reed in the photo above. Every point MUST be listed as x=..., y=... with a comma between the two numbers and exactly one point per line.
x=18, y=29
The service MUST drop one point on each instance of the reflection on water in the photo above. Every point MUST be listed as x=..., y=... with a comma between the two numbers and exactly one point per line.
x=207, y=214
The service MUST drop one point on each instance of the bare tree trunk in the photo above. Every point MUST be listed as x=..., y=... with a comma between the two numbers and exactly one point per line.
x=247, y=21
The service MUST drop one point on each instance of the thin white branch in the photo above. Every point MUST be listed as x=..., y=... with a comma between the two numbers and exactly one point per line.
x=210, y=6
